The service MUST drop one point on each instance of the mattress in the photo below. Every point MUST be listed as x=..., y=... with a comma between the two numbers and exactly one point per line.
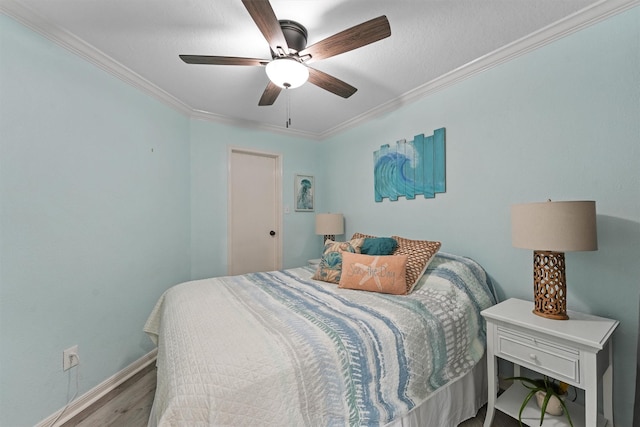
x=279, y=348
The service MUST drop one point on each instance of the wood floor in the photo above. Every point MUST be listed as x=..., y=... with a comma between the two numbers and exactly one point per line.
x=129, y=405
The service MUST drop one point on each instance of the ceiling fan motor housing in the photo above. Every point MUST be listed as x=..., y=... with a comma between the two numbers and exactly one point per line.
x=287, y=69
x=295, y=34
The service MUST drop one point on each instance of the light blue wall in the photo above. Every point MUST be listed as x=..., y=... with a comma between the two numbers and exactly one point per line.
x=209, y=151
x=94, y=220
x=94, y=225
x=107, y=198
x=562, y=122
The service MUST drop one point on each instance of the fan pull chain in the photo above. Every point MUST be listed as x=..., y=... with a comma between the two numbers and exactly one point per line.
x=288, y=120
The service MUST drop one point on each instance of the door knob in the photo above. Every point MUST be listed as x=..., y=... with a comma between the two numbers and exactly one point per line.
x=272, y=233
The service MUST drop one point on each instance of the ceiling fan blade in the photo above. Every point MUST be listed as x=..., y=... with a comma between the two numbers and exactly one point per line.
x=330, y=83
x=222, y=60
x=349, y=39
x=270, y=94
x=266, y=20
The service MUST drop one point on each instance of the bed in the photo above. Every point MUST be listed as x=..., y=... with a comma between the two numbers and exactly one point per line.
x=282, y=349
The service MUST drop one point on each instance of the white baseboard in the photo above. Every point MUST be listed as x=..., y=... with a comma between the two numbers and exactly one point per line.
x=96, y=393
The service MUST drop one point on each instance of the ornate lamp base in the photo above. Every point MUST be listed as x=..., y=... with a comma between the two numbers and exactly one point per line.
x=329, y=237
x=549, y=285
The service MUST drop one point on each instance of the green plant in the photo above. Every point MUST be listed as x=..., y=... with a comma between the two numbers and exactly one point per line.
x=549, y=387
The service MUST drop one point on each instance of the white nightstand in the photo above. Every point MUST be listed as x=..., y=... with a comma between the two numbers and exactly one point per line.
x=577, y=351
x=314, y=262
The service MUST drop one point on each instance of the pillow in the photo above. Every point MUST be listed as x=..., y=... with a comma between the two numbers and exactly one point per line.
x=330, y=265
x=362, y=236
x=420, y=253
x=378, y=246
x=375, y=273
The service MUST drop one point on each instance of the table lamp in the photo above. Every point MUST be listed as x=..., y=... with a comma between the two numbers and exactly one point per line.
x=329, y=224
x=551, y=229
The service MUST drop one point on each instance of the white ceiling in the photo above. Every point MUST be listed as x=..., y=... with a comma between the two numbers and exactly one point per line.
x=433, y=43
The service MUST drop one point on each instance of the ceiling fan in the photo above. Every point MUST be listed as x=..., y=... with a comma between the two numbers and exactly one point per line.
x=290, y=54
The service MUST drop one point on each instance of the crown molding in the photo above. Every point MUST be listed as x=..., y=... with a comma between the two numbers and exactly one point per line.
x=588, y=16
x=65, y=39
x=250, y=124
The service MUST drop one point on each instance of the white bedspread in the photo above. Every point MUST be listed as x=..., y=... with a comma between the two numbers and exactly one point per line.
x=277, y=348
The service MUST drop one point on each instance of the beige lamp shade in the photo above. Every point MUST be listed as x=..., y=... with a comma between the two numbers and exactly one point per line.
x=551, y=229
x=555, y=226
x=329, y=224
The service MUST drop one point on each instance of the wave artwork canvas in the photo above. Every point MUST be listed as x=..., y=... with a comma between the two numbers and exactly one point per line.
x=411, y=168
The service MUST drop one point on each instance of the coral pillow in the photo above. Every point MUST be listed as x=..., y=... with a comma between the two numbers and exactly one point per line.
x=375, y=273
x=330, y=265
x=420, y=253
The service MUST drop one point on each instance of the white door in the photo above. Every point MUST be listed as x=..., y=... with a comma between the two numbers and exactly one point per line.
x=254, y=217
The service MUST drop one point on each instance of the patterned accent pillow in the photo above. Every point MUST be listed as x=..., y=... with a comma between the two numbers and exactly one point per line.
x=330, y=266
x=374, y=273
x=420, y=253
x=362, y=236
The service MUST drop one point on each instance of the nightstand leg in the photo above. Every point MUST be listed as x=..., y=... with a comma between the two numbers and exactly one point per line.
x=492, y=366
x=591, y=392
x=607, y=387
x=516, y=370
x=591, y=407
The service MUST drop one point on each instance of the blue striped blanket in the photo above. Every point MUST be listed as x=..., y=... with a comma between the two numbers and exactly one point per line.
x=278, y=348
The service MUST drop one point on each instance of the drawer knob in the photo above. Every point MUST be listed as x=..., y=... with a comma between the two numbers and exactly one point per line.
x=532, y=356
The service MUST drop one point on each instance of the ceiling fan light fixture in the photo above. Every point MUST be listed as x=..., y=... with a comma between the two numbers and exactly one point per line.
x=287, y=73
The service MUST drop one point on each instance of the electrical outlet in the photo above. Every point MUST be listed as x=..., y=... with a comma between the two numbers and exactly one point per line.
x=70, y=358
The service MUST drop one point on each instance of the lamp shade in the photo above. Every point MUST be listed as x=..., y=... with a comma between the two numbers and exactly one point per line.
x=287, y=72
x=555, y=226
x=329, y=224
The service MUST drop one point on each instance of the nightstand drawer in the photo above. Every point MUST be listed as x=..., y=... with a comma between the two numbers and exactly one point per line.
x=560, y=362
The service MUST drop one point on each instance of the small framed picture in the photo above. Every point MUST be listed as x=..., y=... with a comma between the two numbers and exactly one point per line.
x=304, y=187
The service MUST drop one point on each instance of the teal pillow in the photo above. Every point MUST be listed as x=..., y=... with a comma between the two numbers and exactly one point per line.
x=379, y=246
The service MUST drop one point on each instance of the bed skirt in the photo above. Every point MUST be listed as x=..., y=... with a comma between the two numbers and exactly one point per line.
x=447, y=407
x=452, y=404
